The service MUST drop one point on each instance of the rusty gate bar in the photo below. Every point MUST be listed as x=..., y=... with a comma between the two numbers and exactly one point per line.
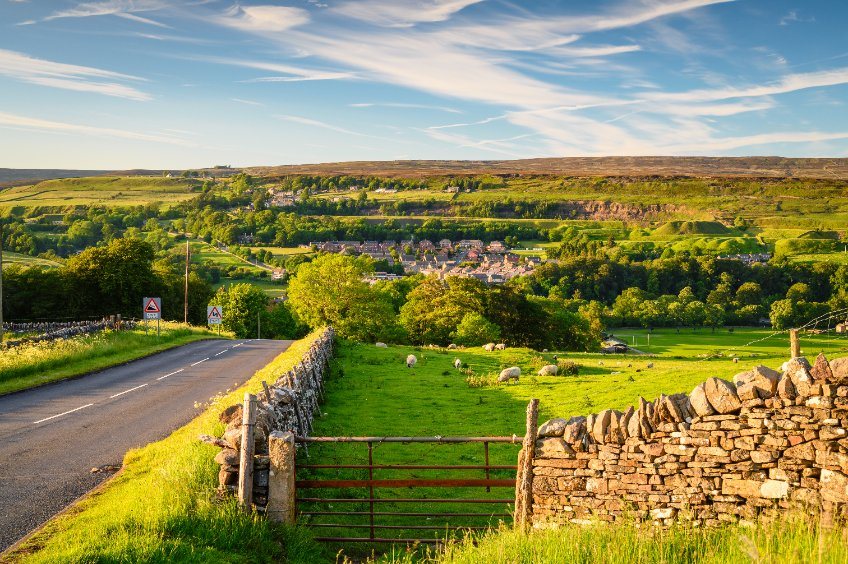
x=373, y=484
x=370, y=484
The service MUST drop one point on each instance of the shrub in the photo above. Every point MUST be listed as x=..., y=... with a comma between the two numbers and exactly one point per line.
x=568, y=368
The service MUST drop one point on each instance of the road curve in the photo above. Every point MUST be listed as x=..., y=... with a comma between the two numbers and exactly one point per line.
x=51, y=437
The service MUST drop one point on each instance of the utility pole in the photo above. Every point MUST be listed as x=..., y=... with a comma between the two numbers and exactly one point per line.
x=258, y=325
x=188, y=253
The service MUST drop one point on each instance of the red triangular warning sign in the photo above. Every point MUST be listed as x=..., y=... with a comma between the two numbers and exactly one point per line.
x=151, y=307
x=214, y=314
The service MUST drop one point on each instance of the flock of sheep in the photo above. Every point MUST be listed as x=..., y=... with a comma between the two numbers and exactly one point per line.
x=507, y=374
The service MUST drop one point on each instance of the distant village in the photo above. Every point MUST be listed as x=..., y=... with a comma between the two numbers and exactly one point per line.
x=472, y=258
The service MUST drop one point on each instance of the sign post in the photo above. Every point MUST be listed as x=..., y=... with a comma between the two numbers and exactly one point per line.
x=151, y=308
x=214, y=316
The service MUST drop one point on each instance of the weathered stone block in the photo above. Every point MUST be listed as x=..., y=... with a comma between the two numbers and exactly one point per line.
x=722, y=396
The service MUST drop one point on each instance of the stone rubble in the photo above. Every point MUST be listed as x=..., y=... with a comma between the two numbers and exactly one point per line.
x=727, y=452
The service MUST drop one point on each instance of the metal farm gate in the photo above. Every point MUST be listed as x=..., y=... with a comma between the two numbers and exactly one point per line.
x=363, y=501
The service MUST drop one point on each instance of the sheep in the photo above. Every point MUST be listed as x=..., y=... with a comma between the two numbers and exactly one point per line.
x=452, y=346
x=489, y=347
x=549, y=370
x=500, y=347
x=410, y=361
x=457, y=363
x=381, y=345
x=649, y=365
x=508, y=374
x=735, y=360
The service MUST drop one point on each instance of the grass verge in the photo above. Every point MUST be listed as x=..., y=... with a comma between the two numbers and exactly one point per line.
x=37, y=364
x=163, y=507
x=790, y=541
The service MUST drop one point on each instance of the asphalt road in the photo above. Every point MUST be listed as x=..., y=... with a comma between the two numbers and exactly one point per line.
x=51, y=437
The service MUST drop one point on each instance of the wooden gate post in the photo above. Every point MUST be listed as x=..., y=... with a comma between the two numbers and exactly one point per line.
x=248, y=422
x=281, y=489
x=794, y=343
x=524, y=478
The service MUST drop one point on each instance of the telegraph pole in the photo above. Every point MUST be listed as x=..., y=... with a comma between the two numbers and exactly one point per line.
x=188, y=253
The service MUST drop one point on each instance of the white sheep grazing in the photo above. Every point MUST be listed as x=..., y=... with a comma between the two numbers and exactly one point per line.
x=549, y=370
x=489, y=347
x=452, y=346
x=500, y=347
x=457, y=363
x=508, y=374
x=410, y=361
x=381, y=345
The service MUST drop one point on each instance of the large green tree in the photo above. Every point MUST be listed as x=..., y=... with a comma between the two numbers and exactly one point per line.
x=330, y=290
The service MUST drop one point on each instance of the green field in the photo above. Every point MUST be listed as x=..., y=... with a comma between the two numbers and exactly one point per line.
x=372, y=393
x=283, y=251
x=33, y=365
x=10, y=258
x=101, y=191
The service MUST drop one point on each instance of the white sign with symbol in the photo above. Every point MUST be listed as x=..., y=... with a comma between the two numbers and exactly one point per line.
x=152, y=308
x=214, y=313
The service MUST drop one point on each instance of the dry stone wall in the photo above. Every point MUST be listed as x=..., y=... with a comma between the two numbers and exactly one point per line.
x=289, y=404
x=767, y=442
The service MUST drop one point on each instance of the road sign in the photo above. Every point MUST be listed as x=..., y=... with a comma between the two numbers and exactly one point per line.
x=151, y=308
x=214, y=313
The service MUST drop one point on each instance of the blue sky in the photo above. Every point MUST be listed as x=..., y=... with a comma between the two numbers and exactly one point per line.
x=184, y=84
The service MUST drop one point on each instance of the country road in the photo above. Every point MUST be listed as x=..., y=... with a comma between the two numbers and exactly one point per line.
x=51, y=437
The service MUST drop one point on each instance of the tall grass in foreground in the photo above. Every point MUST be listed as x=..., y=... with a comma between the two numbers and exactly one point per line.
x=163, y=506
x=38, y=363
x=793, y=540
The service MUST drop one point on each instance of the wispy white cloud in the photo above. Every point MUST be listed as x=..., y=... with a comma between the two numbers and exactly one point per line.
x=402, y=13
x=793, y=17
x=122, y=8
x=321, y=124
x=263, y=18
x=404, y=106
x=29, y=123
x=25, y=68
x=292, y=73
x=789, y=83
x=247, y=102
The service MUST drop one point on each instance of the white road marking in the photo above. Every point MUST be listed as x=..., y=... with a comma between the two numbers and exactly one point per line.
x=199, y=361
x=220, y=353
x=171, y=374
x=127, y=391
x=238, y=345
x=61, y=414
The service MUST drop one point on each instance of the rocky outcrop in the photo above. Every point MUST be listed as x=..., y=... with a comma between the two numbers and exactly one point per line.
x=728, y=451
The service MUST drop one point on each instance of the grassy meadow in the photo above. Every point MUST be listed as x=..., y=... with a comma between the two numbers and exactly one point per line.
x=36, y=364
x=789, y=542
x=371, y=392
x=101, y=191
x=10, y=258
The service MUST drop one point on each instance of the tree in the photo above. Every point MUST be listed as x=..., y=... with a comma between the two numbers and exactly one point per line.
x=436, y=307
x=331, y=291
x=474, y=329
x=111, y=279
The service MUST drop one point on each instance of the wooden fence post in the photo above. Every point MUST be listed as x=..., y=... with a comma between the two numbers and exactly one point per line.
x=248, y=422
x=794, y=343
x=281, y=489
x=524, y=477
